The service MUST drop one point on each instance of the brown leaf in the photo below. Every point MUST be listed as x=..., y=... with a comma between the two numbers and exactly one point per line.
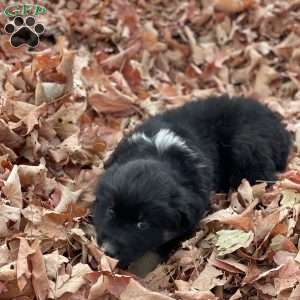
x=104, y=103
x=264, y=77
x=65, y=119
x=51, y=226
x=115, y=61
x=230, y=264
x=71, y=149
x=209, y=278
x=245, y=191
x=295, y=295
x=12, y=188
x=283, y=257
x=32, y=175
x=288, y=276
x=134, y=291
x=8, y=137
x=233, y=6
x=10, y=220
x=48, y=91
x=53, y=263
x=192, y=295
x=4, y=255
x=39, y=275
x=66, y=68
x=237, y=295
x=108, y=283
x=74, y=282
x=288, y=184
x=23, y=271
x=265, y=224
x=8, y=272
x=68, y=197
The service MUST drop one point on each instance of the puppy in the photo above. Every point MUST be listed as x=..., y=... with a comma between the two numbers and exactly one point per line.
x=159, y=179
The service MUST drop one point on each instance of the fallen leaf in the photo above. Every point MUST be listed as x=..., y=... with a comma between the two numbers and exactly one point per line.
x=65, y=120
x=105, y=103
x=192, y=295
x=228, y=241
x=295, y=293
x=230, y=264
x=4, y=255
x=209, y=278
x=134, y=291
x=245, y=191
x=8, y=137
x=10, y=220
x=74, y=282
x=237, y=295
x=23, y=269
x=39, y=275
x=233, y=6
x=48, y=91
x=68, y=197
x=53, y=262
x=290, y=198
x=264, y=77
x=12, y=188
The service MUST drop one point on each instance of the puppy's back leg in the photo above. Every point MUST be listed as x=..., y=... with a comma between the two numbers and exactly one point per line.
x=251, y=158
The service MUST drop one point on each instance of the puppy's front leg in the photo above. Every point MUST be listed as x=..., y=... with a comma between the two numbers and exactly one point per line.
x=145, y=264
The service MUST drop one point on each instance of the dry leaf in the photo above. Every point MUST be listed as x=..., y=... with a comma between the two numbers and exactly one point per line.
x=10, y=220
x=103, y=103
x=53, y=262
x=12, y=188
x=228, y=241
x=233, y=6
x=23, y=270
x=195, y=295
x=39, y=275
x=134, y=291
x=74, y=282
x=209, y=278
x=101, y=68
x=290, y=198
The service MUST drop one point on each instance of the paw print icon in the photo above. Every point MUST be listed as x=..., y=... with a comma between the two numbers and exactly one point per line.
x=24, y=31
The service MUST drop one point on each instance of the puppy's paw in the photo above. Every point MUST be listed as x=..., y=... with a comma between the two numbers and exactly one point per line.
x=145, y=264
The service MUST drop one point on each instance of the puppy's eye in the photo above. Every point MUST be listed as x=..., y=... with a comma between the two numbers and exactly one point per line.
x=142, y=225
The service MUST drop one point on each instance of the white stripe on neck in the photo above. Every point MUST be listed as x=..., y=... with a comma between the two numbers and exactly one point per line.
x=163, y=140
x=138, y=136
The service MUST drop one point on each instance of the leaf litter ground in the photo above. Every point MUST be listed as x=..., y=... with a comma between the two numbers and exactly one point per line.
x=101, y=68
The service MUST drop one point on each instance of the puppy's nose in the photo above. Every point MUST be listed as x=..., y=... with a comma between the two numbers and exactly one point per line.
x=110, y=249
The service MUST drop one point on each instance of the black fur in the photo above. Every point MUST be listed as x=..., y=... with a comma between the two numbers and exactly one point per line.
x=166, y=192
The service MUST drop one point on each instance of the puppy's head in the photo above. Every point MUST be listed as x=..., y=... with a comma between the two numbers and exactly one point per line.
x=139, y=206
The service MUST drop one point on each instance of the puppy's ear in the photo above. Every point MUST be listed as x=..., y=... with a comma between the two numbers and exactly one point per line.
x=181, y=213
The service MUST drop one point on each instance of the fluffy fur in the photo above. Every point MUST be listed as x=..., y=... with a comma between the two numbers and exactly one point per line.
x=159, y=179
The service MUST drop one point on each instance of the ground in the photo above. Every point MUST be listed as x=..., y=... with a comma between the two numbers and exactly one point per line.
x=101, y=67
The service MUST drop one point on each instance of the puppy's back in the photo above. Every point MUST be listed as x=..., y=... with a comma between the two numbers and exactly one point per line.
x=242, y=137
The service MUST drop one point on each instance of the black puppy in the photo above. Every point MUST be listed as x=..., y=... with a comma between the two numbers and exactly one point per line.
x=158, y=181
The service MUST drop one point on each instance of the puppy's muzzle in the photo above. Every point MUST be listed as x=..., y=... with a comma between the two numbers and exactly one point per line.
x=110, y=249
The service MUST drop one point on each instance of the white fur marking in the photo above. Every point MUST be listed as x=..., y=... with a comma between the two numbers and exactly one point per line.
x=166, y=138
x=140, y=136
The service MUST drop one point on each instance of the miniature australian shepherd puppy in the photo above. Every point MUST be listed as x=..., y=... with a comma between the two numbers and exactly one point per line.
x=158, y=181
